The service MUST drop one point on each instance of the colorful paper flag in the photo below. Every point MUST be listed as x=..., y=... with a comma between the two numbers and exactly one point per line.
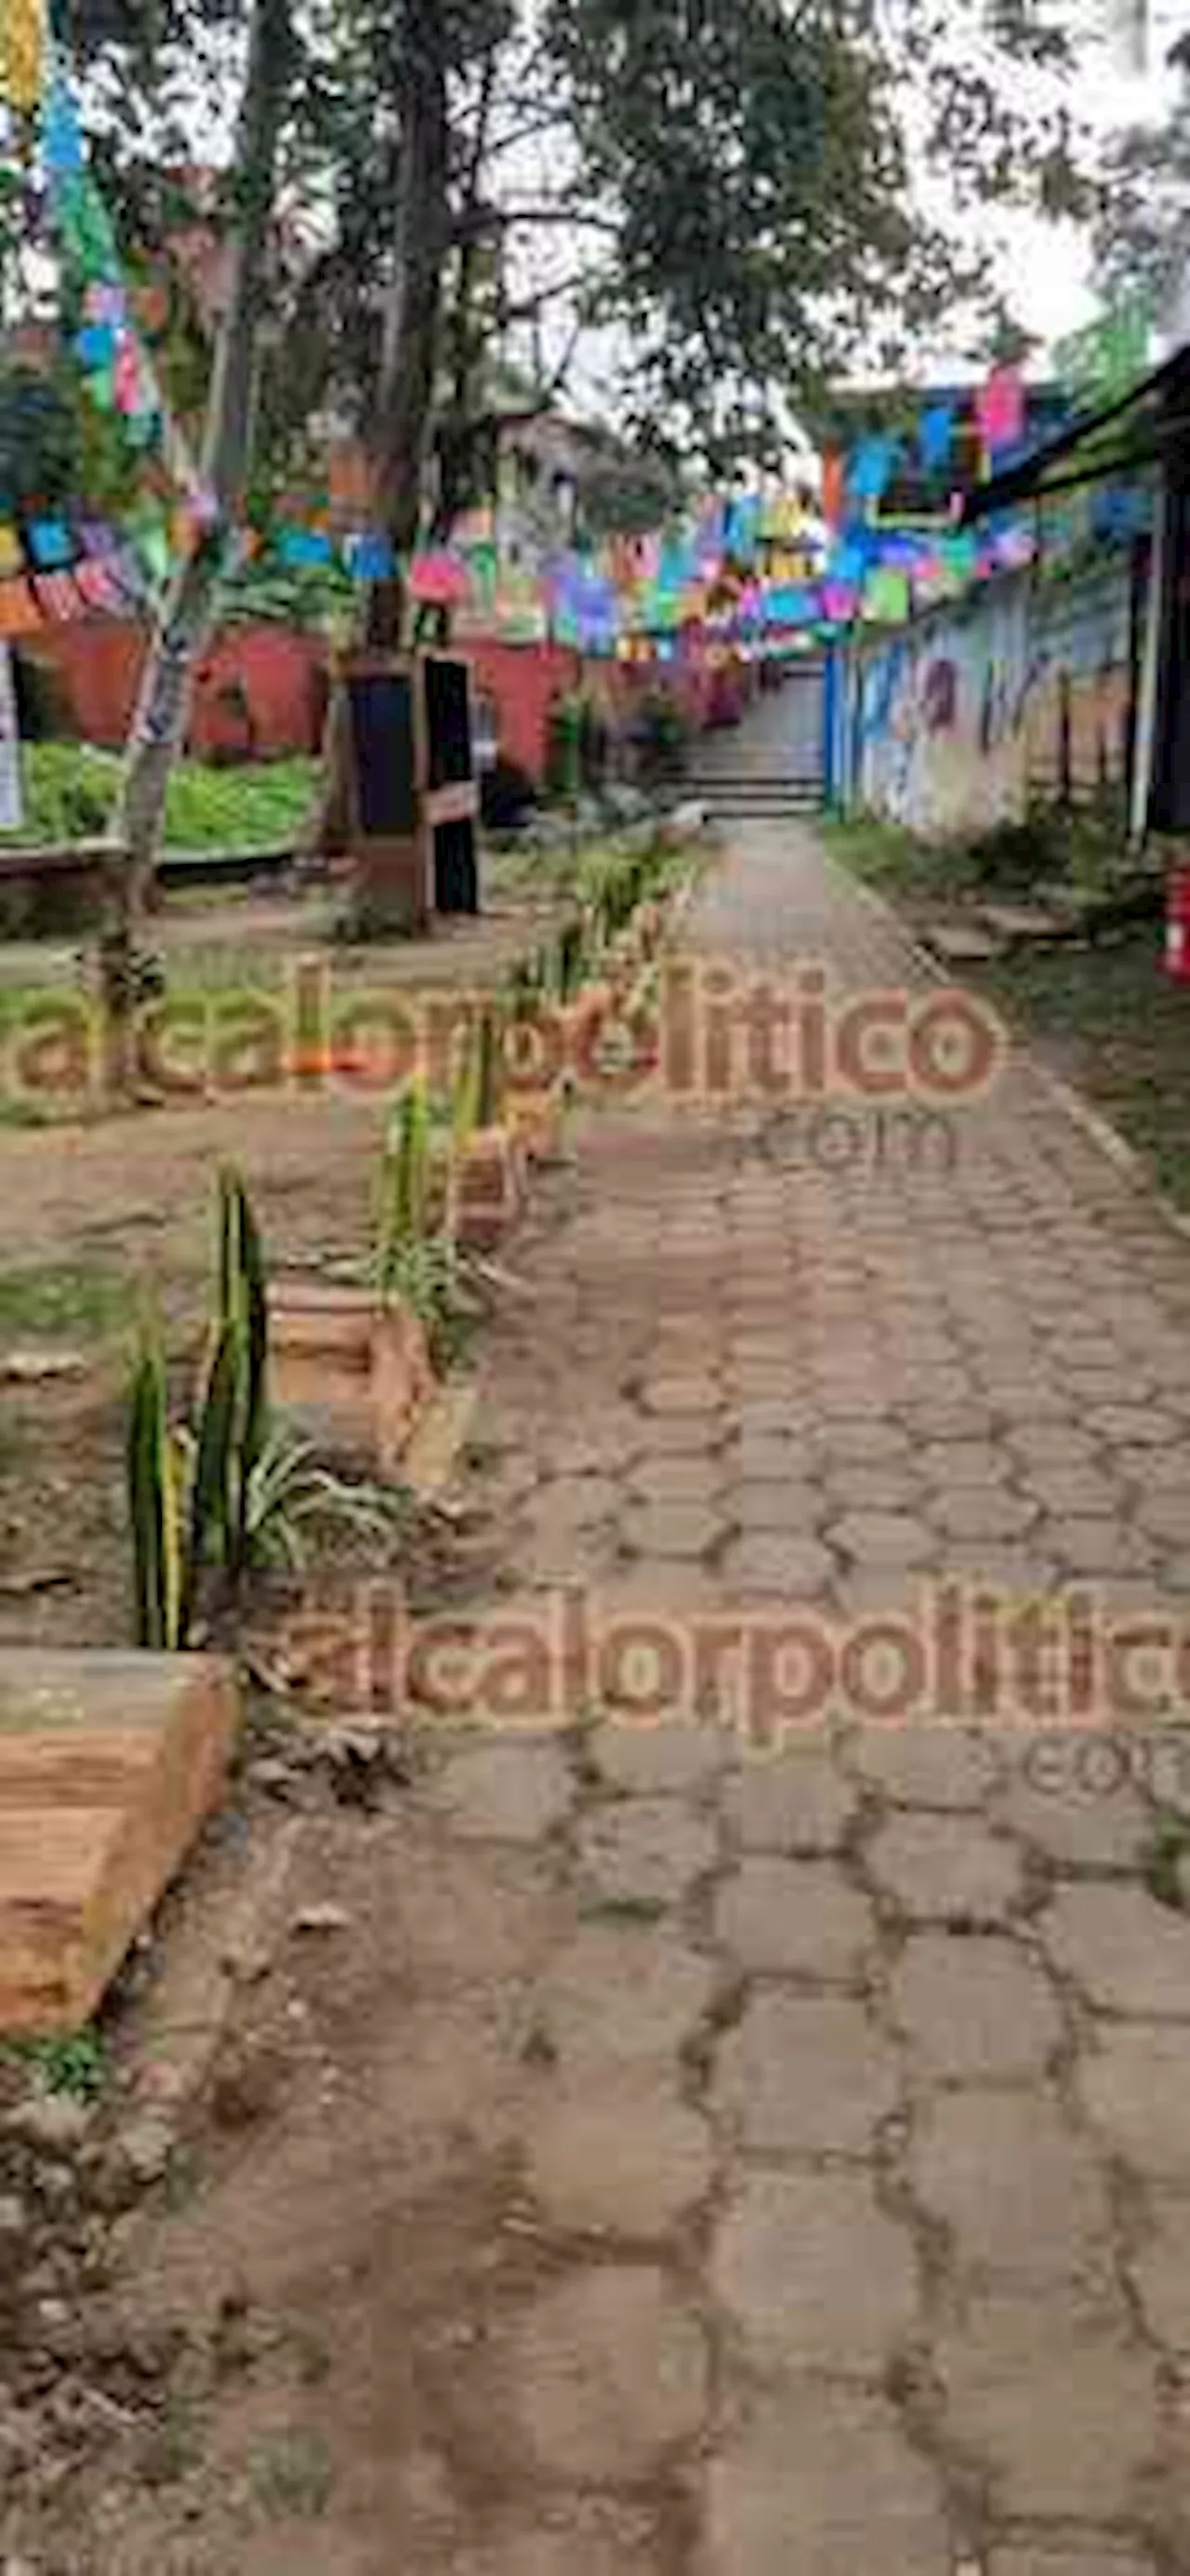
x=369, y=558
x=935, y=432
x=19, y=613
x=886, y=597
x=22, y=53
x=1000, y=409
x=870, y=470
x=50, y=544
x=57, y=596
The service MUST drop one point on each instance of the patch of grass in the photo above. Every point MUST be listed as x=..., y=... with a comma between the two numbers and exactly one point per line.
x=78, y=1301
x=1161, y=1863
x=292, y=2477
x=894, y=861
x=70, y=791
x=75, y=2065
x=1081, y=848
x=1117, y=1027
x=1105, y=1014
x=170, y=2449
x=256, y=807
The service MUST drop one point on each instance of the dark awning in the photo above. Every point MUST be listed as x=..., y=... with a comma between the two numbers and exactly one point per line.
x=1138, y=430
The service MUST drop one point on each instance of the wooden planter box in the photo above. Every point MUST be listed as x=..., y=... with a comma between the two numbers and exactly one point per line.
x=359, y=1373
x=109, y=1766
x=489, y=1188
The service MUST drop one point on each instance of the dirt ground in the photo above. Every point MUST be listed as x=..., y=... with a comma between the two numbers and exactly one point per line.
x=106, y=1211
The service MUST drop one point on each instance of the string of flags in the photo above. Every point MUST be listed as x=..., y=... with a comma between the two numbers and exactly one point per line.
x=755, y=570
x=610, y=601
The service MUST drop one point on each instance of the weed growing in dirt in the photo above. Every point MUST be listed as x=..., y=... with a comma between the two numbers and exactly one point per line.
x=292, y=2476
x=1161, y=1863
x=75, y=2064
x=75, y=1299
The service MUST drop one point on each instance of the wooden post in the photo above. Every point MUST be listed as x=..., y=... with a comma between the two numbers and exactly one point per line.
x=384, y=727
x=1146, y=715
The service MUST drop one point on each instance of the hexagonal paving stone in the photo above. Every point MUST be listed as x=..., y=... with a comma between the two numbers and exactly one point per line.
x=945, y=1869
x=806, y=2074
x=1057, y=2400
x=941, y=1766
x=1127, y=1953
x=798, y=1917
x=874, y=1442
x=794, y=1507
x=671, y=1529
x=1073, y=1493
x=762, y=1566
x=1154, y=1471
x=512, y=1792
x=956, y=1464
x=1166, y=1515
x=974, y=2009
x=1057, y=1444
x=690, y=1480
x=677, y=1758
x=884, y=1538
x=1135, y=1426
x=812, y=2273
x=681, y=1435
x=1077, y=2561
x=977, y=1513
x=1072, y=1796
x=646, y=1853
x=1087, y=1547
x=766, y=1458
x=1019, y=2188
x=967, y=1420
x=869, y=1485
x=695, y=1396
x=798, y=1801
x=621, y=1996
x=833, y=2474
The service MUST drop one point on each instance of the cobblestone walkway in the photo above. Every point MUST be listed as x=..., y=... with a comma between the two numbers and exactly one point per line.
x=860, y=2112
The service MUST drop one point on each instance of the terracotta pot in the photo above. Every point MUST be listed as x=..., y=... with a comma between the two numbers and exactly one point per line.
x=359, y=1372
x=489, y=1187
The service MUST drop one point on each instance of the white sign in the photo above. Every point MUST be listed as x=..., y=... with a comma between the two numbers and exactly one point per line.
x=12, y=803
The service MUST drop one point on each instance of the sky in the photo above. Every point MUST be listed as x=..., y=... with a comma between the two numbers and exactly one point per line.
x=1047, y=267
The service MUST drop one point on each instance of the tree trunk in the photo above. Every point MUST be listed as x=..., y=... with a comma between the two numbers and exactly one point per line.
x=187, y=614
x=404, y=409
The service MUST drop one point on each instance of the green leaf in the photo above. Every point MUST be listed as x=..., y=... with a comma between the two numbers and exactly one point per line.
x=211, y=1499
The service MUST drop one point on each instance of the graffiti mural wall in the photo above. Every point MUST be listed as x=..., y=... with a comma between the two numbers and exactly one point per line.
x=957, y=722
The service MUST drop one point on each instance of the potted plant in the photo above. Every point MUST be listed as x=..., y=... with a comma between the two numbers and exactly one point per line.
x=488, y=1160
x=228, y=1493
x=351, y=1356
x=535, y=1061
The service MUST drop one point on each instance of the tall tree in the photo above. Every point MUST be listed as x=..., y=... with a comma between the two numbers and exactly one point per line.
x=1143, y=228
x=729, y=185
x=190, y=602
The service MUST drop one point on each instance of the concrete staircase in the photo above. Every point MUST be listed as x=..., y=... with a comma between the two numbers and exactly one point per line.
x=756, y=795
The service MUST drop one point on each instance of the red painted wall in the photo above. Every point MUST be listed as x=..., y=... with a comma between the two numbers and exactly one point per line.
x=281, y=674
